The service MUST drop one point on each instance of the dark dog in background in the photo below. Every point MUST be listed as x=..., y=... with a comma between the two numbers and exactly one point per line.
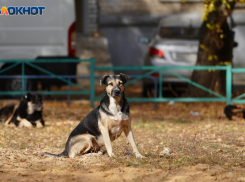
x=234, y=111
x=104, y=124
x=27, y=114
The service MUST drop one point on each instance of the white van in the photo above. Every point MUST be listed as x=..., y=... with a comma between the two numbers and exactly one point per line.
x=33, y=36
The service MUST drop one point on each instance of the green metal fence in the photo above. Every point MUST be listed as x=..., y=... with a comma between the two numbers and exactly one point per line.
x=238, y=99
x=148, y=69
x=31, y=63
x=168, y=69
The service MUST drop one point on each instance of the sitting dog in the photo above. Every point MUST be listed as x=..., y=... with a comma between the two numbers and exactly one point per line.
x=234, y=111
x=104, y=124
x=27, y=114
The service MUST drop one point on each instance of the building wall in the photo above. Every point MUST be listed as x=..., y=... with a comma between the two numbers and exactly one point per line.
x=92, y=16
x=147, y=7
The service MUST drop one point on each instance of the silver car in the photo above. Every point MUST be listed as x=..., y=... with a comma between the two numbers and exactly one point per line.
x=176, y=44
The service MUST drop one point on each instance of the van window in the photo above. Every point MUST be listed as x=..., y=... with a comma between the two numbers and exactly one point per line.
x=179, y=33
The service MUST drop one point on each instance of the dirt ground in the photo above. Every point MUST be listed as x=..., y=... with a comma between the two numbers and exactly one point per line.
x=182, y=142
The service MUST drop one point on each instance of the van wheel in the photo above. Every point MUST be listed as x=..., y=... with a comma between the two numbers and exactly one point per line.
x=15, y=84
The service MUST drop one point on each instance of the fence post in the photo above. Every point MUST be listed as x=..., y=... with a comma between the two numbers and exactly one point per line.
x=69, y=92
x=23, y=74
x=228, y=84
x=92, y=88
x=160, y=83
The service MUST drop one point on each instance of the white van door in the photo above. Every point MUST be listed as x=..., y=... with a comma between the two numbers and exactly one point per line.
x=30, y=36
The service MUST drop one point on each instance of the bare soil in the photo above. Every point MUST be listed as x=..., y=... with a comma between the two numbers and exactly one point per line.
x=182, y=142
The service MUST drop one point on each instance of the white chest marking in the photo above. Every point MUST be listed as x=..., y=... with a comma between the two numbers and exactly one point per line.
x=114, y=107
x=30, y=109
x=116, y=111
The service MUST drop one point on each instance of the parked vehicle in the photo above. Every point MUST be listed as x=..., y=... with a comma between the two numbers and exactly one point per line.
x=176, y=44
x=46, y=36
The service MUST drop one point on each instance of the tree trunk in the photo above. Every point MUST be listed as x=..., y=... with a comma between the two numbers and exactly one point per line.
x=215, y=48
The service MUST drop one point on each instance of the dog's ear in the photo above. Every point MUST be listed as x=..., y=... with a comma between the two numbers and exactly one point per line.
x=103, y=79
x=124, y=77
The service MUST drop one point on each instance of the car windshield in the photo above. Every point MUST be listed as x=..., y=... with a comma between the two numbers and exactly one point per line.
x=179, y=33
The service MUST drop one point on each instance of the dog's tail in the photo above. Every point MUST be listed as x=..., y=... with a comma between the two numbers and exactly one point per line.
x=61, y=155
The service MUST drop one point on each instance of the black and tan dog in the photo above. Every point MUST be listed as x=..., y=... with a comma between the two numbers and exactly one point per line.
x=232, y=111
x=27, y=114
x=104, y=124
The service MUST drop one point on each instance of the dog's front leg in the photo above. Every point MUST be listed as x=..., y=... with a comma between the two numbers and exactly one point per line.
x=107, y=140
x=129, y=134
x=24, y=123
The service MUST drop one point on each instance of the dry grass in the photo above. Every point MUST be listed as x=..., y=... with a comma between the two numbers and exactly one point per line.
x=206, y=147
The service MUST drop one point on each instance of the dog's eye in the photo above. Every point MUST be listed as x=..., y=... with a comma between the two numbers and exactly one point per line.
x=120, y=83
x=111, y=84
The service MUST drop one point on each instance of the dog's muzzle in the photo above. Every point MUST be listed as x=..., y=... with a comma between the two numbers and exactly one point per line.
x=116, y=92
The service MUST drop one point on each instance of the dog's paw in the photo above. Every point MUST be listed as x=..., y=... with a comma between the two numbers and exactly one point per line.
x=111, y=154
x=100, y=153
x=139, y=156
x=39, y=124
x=24, y=123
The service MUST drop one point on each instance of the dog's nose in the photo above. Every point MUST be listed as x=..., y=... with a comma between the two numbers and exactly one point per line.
x=116, y=91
